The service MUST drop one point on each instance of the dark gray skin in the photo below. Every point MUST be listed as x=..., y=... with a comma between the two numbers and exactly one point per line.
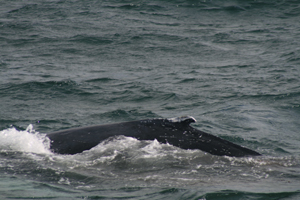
x=175, y=131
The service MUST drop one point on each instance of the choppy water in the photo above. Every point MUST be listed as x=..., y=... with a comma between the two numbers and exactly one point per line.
x=232, y=65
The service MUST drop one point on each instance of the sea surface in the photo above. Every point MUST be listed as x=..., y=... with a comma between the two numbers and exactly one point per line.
x=233, y=65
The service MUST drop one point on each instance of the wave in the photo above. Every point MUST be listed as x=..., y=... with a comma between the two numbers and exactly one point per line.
x=232, y=194
x=289, y=7
x=121, y=163
x=46, y=89
x=24, y=141
x=88, y=39
x=31, y=141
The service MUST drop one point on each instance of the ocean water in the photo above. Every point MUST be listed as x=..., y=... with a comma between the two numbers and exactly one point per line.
x=233, y=65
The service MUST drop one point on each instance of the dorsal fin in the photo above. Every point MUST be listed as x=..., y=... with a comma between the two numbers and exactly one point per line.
x=184, y=120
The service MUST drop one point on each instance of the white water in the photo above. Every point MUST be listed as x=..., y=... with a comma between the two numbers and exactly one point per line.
x=125, y=161
x=24, y=141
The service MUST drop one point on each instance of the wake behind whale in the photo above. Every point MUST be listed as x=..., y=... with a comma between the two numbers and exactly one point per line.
x=174, y=131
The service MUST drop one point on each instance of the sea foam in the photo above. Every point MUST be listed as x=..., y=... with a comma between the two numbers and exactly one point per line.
x=28, y=141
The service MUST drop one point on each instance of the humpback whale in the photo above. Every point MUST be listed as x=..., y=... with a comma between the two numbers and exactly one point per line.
x=174, y=131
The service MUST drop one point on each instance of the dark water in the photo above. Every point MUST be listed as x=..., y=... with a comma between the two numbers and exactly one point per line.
x=233, y=65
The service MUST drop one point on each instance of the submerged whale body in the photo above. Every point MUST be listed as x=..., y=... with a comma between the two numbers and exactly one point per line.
x=175, y=131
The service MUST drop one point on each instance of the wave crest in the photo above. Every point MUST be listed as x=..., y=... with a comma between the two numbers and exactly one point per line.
x=28, y=141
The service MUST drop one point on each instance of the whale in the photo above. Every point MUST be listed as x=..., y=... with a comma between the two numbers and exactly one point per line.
x=174, y=131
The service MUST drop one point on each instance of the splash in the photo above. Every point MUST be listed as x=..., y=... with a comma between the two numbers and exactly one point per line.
x=28, y=141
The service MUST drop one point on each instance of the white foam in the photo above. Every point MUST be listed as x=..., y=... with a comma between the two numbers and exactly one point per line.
x=29, y=140
x=153, y=148
x=119, y=143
